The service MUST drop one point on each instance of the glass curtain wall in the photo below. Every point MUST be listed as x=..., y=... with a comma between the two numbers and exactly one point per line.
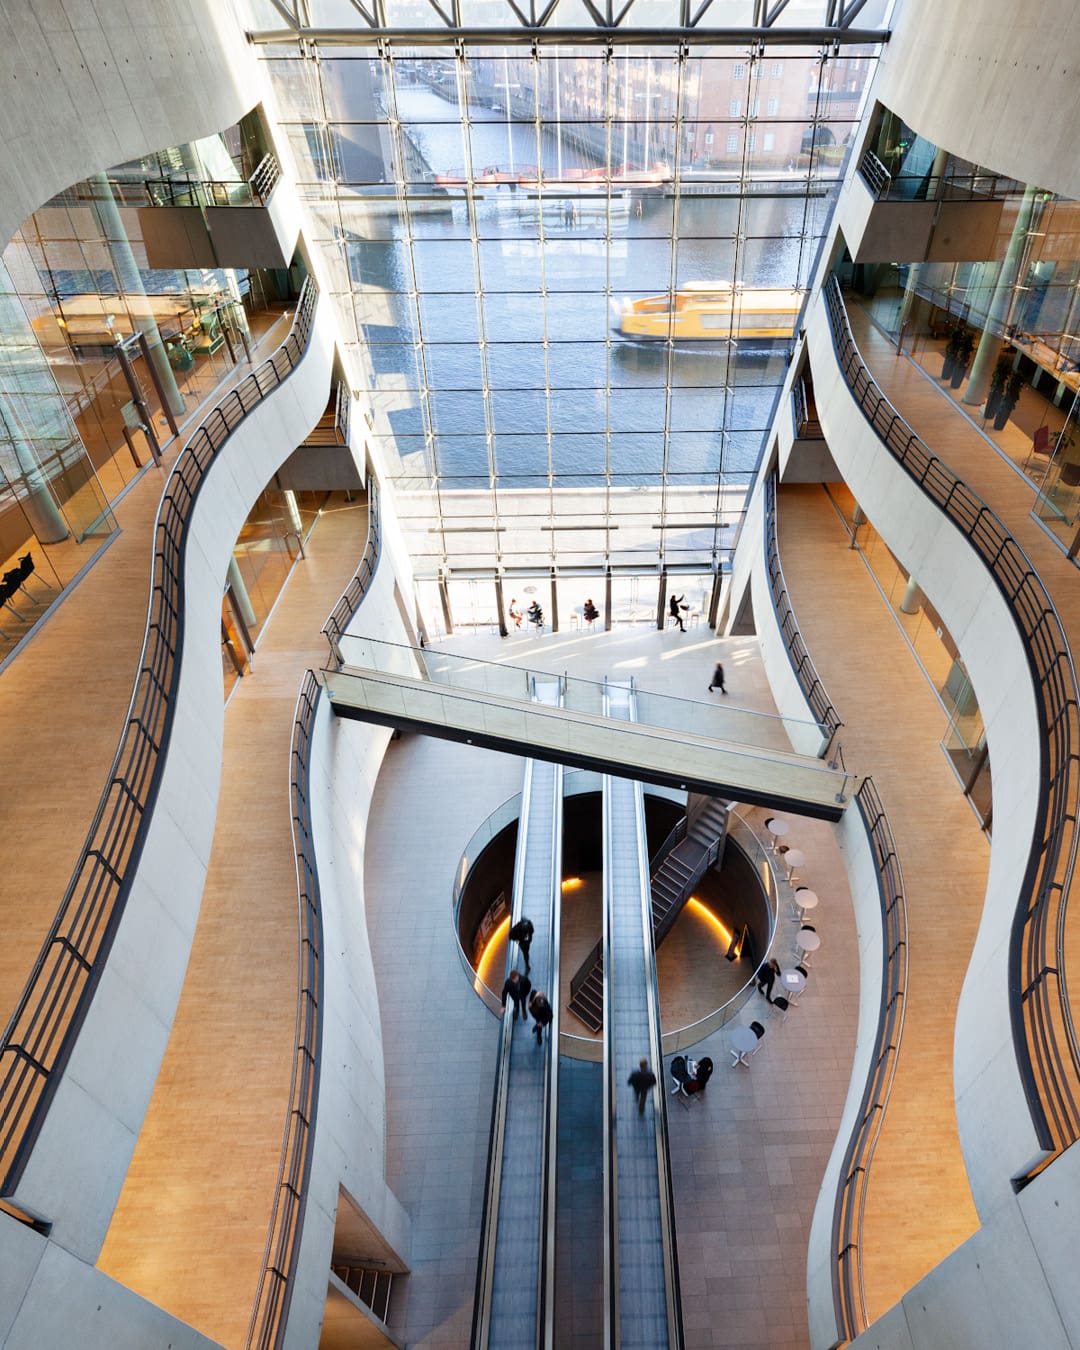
x=80, y=268
x=571, y=282
x=1000, y=331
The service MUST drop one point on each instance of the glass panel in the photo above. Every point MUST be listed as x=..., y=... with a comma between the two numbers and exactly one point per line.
x=544, y=306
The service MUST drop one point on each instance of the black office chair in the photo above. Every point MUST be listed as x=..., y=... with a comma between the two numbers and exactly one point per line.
x=783, y=1005
x=679, y=1075
x=26, y=570
x=758, y=1031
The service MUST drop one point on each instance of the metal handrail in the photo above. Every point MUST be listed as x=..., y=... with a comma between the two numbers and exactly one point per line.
x=805, y=671
x=1044, y=1036
x=265, y=178
x=875, y=175
x=335, y=626
x=42, y=1030
x=270, y=1313
x=204, y=192
x=849, y=1295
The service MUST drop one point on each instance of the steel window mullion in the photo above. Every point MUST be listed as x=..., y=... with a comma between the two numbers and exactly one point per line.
x=541, y=188
x=461, y=71
x=406, y=217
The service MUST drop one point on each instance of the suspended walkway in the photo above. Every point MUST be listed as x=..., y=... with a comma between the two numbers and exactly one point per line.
x=721, y=751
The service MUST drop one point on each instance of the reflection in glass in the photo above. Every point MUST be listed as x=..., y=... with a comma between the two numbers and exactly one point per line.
x=537, y=195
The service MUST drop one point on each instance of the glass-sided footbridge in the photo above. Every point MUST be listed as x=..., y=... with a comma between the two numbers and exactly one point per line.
x=723, y=751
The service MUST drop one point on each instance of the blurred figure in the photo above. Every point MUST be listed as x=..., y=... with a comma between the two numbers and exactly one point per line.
x=542, y=1014
x=642, y=1080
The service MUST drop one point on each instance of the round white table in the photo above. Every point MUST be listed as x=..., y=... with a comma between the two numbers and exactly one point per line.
x=792, y=983
x=743, y=1041
x=777, y=827
x=807, y=941
x=804, y=901
x=793, y=859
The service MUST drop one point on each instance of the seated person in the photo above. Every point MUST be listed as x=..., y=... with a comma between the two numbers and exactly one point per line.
x=701, y=1076
x=590, y=612
x=515, y=613
x=536, y=614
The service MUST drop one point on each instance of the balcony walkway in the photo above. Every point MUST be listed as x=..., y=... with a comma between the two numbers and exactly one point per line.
x=63, y=702
x=893, y=724
x=191, y=1223
x=918, y=1168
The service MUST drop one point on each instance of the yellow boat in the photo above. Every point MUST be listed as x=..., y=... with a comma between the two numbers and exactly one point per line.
x=713, y=311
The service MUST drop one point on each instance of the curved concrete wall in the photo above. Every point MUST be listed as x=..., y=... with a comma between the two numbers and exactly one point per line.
x=995, y=1128
x=78, y=1166
x=1011, y=1284
x=791, y=702
x=991, y=80
x=350, y=1131
x=861, y=867
x=85, y=86
x=49, y=1298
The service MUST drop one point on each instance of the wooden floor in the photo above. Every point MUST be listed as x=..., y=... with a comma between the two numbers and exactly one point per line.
x=191, y=1224
x=63, y=700
x=893, y=725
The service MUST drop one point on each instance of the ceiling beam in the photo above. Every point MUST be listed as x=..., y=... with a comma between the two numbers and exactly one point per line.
x=574, y=37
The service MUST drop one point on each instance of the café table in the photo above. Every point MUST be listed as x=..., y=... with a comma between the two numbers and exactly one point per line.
x=807, y=941
x=743, y=1043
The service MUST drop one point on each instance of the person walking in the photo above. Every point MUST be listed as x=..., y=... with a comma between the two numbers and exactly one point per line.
x=642, y=1080
x=675, y=606
x=522, y=934
x=516, y=989
x=767, y=978
x=542, y=1014
x=717, y=680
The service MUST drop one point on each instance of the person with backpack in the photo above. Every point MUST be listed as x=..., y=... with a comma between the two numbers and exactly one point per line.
x=522, y=934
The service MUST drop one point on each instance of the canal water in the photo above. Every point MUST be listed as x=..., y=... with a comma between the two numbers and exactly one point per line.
x=525, y=311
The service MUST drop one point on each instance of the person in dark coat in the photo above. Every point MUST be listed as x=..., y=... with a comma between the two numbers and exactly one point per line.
x=590, y=612
x=717, y=680
x=642, y=1080
x=522, y=934
x=517, y=988
x=767, y=978
x=675, y=607
x=702, y=1074
x=542, y=1014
